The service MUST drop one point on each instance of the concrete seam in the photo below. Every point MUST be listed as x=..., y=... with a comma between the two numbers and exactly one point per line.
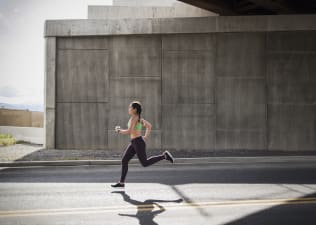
x=55, y=92
x=215, y=92
x=161, y=84
x=266, y=90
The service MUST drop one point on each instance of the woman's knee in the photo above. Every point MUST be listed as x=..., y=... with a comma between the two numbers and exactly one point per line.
x=144, y=163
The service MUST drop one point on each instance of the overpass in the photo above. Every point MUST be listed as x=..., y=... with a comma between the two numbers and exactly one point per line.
x=255, y=7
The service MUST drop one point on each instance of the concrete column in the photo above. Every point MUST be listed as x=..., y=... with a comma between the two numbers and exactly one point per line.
x=50, y=92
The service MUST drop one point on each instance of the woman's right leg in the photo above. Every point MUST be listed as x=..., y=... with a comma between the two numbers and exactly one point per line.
x=127, y=156
x=140, y=148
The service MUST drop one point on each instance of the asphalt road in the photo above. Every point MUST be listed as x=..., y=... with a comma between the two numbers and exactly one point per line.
x=218, y=193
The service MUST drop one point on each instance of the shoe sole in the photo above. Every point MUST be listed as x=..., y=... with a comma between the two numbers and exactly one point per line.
x=117, y=187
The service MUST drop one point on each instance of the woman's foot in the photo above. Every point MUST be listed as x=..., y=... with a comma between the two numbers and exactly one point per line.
x=168, y=156
x=119, y=184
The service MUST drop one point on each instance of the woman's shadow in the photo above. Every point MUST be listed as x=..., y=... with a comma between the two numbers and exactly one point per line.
x=145, y=210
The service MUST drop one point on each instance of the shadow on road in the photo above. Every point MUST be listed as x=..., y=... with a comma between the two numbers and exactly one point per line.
x=293, y=212
x=145, y=209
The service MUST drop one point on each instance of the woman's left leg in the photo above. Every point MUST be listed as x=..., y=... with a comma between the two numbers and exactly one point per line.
x=127, y=156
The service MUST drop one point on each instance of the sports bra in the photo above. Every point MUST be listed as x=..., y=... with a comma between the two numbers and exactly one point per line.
x=138, y=125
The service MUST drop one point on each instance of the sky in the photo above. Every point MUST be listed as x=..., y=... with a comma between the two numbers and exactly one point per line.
x=22, y=44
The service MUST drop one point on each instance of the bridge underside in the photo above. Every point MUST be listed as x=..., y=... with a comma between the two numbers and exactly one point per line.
x=256, y=7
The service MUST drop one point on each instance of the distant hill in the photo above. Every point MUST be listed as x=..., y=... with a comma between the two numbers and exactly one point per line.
x=31, y=107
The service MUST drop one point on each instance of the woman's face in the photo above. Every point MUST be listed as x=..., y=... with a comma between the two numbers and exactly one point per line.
x=131, y=110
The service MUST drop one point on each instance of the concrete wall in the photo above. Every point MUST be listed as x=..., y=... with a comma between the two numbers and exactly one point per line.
x=202, y=91
x=21, y=118
x=177, y=9
x=144, y=2
x=33, y=135
x=291, y=92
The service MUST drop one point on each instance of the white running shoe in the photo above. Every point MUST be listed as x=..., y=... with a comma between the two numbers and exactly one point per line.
x=168, y=156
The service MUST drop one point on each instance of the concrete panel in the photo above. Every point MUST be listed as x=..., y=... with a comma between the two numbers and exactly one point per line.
x=50, y=73
x=83, y=43
x=82, y=125
x=143, y=3
x=121, y=12
x=290, y=22
x=49, y=128
x=117, y=142
x=184, y=25
x=136, y=41
x=135, y=56
x=177, y=9
x=291, y=88
x=82, y=76
x=125, y=90
x=188, y=77
x=179, y=25
x=188, y=126
x=238, y=139
x=300, y=41
x=50, y=92
x=97, y=27
x=291, y=77
x=181, y=42
x=240, y=114
x=241, y=23
x=240, y=55
x=186, y=10
x=292, y=127
x=240, y=103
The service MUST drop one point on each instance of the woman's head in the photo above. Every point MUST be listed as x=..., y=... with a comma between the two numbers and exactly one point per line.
x=135, y=108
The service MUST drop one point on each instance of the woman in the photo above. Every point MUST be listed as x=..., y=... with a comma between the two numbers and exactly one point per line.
x=138, y=142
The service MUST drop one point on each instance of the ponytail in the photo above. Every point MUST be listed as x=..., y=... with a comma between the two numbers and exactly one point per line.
x=137, y=105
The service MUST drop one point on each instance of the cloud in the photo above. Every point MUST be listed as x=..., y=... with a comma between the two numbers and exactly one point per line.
x=8, y=91
x=16, y=10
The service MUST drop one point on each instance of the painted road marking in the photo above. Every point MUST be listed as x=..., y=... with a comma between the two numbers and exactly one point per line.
x=150, y=207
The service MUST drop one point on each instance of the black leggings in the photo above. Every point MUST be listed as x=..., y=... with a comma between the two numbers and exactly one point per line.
x=137, y=146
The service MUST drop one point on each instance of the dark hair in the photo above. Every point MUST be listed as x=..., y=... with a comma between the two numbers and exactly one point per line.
x=137, y=105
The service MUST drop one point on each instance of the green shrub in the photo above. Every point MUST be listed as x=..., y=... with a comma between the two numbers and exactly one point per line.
x=7, y=139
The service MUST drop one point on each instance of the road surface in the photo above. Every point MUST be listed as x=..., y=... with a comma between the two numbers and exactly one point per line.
x=218, y=193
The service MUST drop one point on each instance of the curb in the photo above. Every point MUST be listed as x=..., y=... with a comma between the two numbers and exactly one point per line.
x=204, y=160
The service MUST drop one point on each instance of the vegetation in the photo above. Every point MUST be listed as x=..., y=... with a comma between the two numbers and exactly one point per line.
x=7, y=139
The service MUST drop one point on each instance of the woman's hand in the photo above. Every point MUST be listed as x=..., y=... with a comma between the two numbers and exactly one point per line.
x=117, y=129
x=145, y=138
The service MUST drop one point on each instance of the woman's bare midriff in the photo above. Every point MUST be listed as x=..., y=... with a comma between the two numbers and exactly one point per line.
x=135, y=134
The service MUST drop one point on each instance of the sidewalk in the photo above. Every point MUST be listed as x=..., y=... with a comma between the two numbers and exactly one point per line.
x=22, y=155
x=194, y=161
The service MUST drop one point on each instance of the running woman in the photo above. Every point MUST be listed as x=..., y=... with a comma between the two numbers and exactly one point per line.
x=137, y=143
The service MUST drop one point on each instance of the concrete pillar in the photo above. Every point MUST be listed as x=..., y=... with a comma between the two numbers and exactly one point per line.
x=50, y=92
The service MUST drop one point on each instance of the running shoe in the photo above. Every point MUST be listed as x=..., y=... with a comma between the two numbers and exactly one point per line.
x=168, y=156
x=118, y=185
